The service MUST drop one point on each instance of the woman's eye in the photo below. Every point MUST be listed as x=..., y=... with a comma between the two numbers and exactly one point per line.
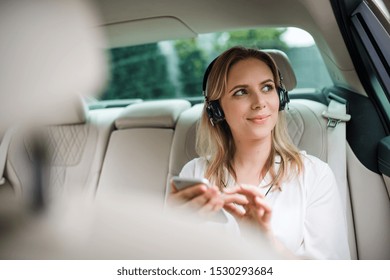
x=239, y=92
x=267, y=88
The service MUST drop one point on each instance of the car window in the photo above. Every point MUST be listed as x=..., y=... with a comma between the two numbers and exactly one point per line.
x=174, y=69
x=372, y=38
x=381, y=9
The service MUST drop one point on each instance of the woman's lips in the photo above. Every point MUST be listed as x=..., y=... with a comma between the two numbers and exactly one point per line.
x=259, y=119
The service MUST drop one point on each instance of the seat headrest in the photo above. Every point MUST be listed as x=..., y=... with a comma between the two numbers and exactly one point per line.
x=49, y=50
x=285, y=68
x=73, y=110
x=157, y=114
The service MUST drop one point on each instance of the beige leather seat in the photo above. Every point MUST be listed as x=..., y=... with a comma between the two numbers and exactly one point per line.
x=138, y=153
x=75, y=141
x=56, y=56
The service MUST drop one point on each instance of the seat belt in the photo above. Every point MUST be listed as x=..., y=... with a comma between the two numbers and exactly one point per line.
x=337, y=159
x=337, y=156
x=4, y=151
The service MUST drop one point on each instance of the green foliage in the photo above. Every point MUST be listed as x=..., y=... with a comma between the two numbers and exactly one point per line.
x=143, y=71
x=192, y=63
x=138, y=72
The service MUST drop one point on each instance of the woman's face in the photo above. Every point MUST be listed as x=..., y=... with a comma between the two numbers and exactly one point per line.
x=251, y=102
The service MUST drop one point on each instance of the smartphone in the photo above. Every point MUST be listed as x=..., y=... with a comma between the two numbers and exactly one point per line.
x=183, y=182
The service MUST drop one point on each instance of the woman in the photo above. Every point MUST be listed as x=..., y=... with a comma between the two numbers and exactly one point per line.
x=258, y=175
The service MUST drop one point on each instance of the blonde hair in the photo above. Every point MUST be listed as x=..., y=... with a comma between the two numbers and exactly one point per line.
x=216, y=142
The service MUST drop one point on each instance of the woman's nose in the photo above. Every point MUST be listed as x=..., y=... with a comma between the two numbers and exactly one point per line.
x=257, y=100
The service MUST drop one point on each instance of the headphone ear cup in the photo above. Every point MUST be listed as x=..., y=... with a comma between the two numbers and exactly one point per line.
x=214, y=112
x=283, y=98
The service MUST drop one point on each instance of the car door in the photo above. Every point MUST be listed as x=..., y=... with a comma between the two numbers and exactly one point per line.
x=365, y=28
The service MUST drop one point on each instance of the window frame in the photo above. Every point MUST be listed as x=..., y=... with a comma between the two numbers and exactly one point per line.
x=371, y=36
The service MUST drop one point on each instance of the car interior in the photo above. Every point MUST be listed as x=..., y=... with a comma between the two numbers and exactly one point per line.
x=99, y=147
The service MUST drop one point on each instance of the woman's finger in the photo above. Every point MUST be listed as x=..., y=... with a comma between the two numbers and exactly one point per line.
x=203, y=198
x=266, y=209
x=212, y=205
x=233, y=209
x=235, y=198
x=191, y=192
x=250, y=190
x=231, y=190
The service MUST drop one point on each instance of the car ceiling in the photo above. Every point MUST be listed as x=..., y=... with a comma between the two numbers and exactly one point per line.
x=132, y=22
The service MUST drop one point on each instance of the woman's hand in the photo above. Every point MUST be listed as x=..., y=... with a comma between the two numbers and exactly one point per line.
x=199, y=198
x=247, y=204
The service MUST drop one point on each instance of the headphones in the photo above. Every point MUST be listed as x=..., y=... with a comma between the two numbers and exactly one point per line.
x=213, y=108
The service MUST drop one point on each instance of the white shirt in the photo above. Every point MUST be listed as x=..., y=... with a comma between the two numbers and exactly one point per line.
x=307, y=215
